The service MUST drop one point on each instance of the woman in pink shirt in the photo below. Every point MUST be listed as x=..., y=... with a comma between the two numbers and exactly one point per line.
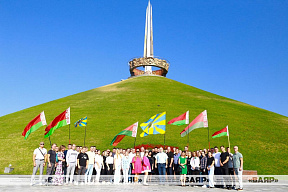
x=146, y=167
x=137, y=165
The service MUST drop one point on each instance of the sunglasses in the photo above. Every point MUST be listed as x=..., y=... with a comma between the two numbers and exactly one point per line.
x=42, y=144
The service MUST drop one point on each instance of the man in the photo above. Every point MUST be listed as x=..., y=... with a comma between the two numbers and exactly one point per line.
x=230, y=167
x=217, y=170
x=161, y=162
x=175, y=159
x=91, y=158
x=51, y=159
x=39, y=157
x=224, y=158
x=154, y=155
x=65, y=163
x=130, y=157
x=238, y=166
x=82, y=162
x=71, y=160
x=170, y=155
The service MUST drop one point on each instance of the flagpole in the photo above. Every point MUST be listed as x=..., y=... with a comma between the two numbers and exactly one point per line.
x=208, y=138
x=188, y=139
x=229, y=142
x=164, y=140
x=69, y=134
x=50, y=142
x=134, y=142
x=85, y=134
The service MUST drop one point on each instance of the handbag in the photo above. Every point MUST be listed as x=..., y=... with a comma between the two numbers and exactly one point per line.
x=179, y=170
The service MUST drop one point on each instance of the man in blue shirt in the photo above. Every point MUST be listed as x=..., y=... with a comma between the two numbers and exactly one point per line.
x=175, y=159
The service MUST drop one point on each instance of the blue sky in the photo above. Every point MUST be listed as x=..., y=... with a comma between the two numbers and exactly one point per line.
x=52, y=49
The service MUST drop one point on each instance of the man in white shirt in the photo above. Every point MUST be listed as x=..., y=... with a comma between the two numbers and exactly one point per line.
x=71, y=160
x=91, y=165
x=217, y=171
x=39, y=158
x=161, y=162
x=130, y=157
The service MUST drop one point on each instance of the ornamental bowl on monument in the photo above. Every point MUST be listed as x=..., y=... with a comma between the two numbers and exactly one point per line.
x=162, y=64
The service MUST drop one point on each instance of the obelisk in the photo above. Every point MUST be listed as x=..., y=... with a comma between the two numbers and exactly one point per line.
x=148, y=42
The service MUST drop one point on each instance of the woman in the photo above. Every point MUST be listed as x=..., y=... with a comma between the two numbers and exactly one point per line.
x=210, y=168
x=109, y=164
x=195, y=164
x=146, y=167
x=136, y=165
x=104, y=166
x=117, y=166
x=151, y=161
x=59, y=176
x=98, y=165
x=182, y=162
x=125, y=166
x=189, y=156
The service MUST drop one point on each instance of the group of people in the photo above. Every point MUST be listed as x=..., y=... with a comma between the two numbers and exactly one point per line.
x=64, y=164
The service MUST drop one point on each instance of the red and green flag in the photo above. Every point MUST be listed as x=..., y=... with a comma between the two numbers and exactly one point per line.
x=59, y=121
x=181, y=120
x=200, y=121
x=222, y=132
x=129, y=131
x=37, y=122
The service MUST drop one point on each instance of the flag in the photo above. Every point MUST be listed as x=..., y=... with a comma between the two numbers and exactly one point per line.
x=59, y=121
x=155, y=125
x=81, y=122
x=222, y=132
x=129, y=131
x=37, y=122
x=199, y=122
x=181, y=120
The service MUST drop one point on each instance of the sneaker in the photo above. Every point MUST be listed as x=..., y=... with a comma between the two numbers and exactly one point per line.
x=204, y=186
x=240, y=189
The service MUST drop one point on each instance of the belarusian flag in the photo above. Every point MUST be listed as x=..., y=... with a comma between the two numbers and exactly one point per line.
x=129, y=131
x=181, y=120
x=222, y=132
x=60, y=121
x=199, y=122
x=37, y=122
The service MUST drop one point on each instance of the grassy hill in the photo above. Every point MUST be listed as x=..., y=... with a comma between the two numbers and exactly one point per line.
x=261, y=135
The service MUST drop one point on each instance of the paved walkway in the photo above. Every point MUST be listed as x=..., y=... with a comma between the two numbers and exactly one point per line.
x=132, y=187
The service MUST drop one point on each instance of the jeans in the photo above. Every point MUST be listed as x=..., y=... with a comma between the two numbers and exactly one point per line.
x=239, y=175
x=125, y=175
x=70, y=171
x=98, y=172
x=88, y=173
x=170, y=170
x=225, y=172
x=130, y=179
x=117, y=175
x=162, y=171
x=211, y=175
x=39, y=164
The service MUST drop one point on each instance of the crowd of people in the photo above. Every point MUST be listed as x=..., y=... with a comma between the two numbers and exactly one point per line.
x=78, y=164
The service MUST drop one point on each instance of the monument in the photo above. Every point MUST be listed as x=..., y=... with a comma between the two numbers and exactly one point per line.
x=148, y=60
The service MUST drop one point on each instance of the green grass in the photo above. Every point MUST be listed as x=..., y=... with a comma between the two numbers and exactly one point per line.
x=261, y=135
